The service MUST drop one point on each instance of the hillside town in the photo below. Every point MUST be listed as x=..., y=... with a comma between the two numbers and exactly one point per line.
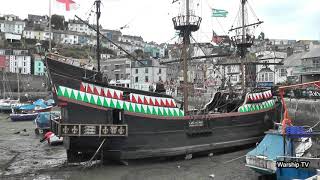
x=22, y=41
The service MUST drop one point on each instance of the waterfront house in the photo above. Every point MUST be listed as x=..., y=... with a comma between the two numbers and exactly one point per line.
x=310, y=62
x=20, y=61
x=39, y=67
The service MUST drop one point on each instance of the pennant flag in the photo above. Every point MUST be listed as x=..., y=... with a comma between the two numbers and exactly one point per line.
x=219, y=13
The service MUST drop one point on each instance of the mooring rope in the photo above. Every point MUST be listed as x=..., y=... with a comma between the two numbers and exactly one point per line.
x=94, y=155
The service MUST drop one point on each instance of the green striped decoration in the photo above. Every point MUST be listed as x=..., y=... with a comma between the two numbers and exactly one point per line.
x=117, y=104
x=257, y=106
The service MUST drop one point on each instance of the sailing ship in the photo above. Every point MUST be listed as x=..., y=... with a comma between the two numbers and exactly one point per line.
x=126, y=123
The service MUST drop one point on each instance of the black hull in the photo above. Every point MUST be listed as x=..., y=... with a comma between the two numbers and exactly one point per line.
x=154, y=136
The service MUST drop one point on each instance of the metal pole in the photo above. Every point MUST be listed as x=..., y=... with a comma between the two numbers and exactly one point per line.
x=98, y=32
x=50, y=30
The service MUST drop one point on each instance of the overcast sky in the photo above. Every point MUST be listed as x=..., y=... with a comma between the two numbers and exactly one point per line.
x=283, y=19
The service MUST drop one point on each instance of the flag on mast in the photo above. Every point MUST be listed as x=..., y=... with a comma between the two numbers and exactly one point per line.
x=219, y=13
x=69, y=4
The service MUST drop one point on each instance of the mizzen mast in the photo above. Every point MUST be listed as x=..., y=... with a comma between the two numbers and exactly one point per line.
x=185, y=24
x=98, y=12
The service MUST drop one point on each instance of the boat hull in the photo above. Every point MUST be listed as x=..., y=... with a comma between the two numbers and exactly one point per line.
x=152, y=135
x=23, y=117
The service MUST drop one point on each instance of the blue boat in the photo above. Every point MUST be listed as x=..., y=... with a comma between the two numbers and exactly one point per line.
x=30, y=111
x=282, y=154
x=42, y=121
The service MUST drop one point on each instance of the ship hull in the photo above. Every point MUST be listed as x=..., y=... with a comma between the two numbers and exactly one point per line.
x=152, y=135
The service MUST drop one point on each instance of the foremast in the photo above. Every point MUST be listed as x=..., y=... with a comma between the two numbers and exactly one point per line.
x=186, y=24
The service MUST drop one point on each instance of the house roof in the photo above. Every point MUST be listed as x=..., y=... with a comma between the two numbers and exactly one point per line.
x=315, y=52
x=294, y=59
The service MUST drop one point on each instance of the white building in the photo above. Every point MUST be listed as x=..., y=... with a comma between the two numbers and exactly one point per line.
x=12, y=24
x=20, y=61
x=78, y=26
x=142, y=77
x=272, y=74
x=134, y=40
x=29, y=33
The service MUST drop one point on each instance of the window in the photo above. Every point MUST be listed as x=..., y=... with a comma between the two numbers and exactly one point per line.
x=136, y=79
x=117, y=76
x=121, y=76
x=283, y=72
x=117, y=66
x=271, y=77
x=159, y=70
x=137, y=71
x=146, y=70
x=159, y=78
x=146, y=79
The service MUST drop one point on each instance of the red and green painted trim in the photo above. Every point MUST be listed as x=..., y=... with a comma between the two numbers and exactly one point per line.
x=257, y=106
x=117, y=103
x=134, y=98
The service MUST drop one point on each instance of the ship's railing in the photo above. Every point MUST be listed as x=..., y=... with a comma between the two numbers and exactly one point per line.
x=67, y=60
x=98, y=130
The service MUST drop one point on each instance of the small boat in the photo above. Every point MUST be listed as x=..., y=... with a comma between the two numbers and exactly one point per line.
x=30, y=111
x=7, y=104
x=52, y=139
x=23, y=117
x=42, y=121
x=286, y=152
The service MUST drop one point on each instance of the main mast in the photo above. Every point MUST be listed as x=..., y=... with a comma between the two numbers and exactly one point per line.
x=98, y=12
x=186, y=24
x=243, y=40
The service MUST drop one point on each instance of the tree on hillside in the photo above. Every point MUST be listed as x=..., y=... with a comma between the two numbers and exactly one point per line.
x=57, y=22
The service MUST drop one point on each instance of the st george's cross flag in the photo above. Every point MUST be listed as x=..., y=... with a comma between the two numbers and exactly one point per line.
x=69, y=4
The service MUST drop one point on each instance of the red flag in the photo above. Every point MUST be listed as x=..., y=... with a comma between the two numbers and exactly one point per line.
x=67, y=2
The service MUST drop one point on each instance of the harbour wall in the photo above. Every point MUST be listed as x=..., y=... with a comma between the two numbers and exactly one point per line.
x=304, y=112
x=27, y=83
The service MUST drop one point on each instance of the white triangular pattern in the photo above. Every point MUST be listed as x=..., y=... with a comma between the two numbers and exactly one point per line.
x=118, y=93
x=88, y=96
x=166, y=110
x=81, y=94
x=153, y=99
x=111, y=92
x=114, y=102
x=145, y=107
x=138, y=106
x=91, y=87
x=108, y=101
x=69, y=91
x=174, y=103
x=177, y=110
x=156, y=108
x=141, y=97
x=136, y=97
x=127, y=104
x=85, y=85
x=95, y=98
x=133, y=107
x=172, y=111
x=161, y=110
x=121, y=104
x=98, y=89
x=101, y=99
x=62, y=89
x=105, y=90
x=148, y=99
